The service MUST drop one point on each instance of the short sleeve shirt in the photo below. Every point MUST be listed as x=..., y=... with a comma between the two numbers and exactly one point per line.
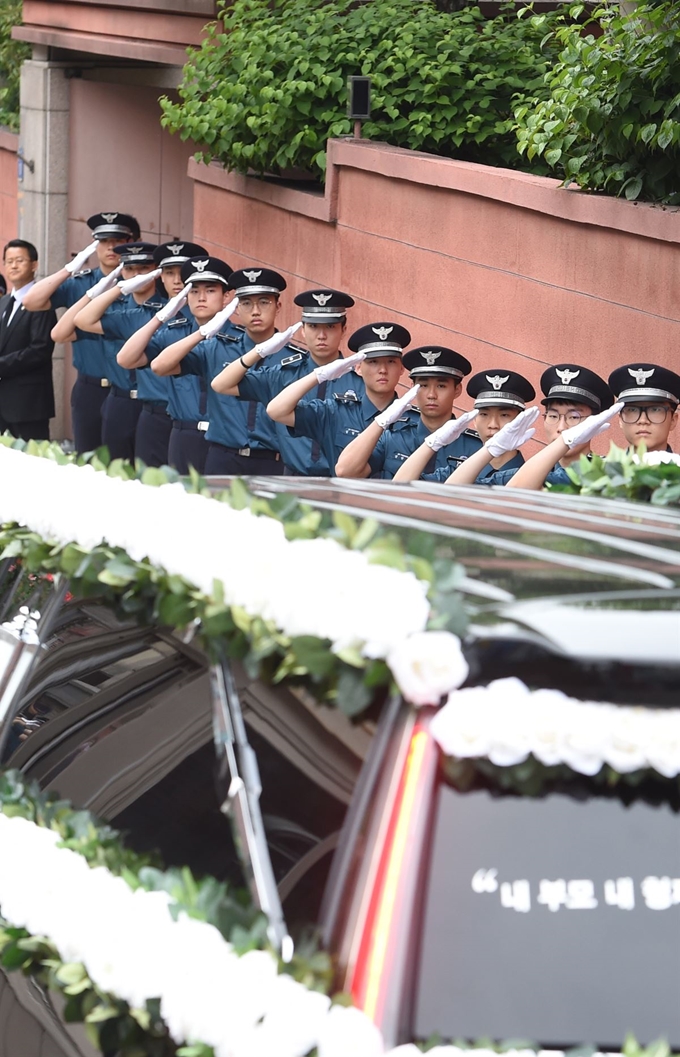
x=334, y=423
x=89, y=350
x=487, y=476
x=400, y=440
x=119, y=325
x=301, y=454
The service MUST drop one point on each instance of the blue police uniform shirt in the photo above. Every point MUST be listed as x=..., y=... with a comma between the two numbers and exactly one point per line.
x=121, y=324
x=487, y=476
x=264, y=432
x=227, y=415
x=558, y=475
x=188, y=400
x=405, y=436
x=301, y=454
x=90, y=353
x=334, y=423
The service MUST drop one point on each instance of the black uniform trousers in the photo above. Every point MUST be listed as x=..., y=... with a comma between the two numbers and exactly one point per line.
x=152, y=436
x=120, y=414
x=188, y=447
x=227, y=461
x=87, y=399
x=39, y=429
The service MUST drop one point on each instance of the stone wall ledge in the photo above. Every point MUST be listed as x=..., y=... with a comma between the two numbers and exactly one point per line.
x=523, y=190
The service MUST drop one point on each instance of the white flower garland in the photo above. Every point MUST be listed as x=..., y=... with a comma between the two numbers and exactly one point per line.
x=305, y=587
x=507, y=722
x=132, y=948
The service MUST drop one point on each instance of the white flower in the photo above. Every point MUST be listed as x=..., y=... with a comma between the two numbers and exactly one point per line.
x=428, y=665
x=663, y=741
x=348, y=1031
x=656, y=458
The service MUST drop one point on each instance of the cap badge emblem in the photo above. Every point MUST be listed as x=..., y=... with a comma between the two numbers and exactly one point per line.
x=496, y=381
x=200, y=266
x=109, y=217
x=639, y=375
x=382, y=332
x=252, y=276
x=176, y=248
x=322, y=299
x=430, y=357
x=566, y=376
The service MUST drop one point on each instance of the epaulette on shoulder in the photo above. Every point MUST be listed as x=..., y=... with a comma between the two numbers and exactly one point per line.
x=349, y=397
x=298, y=348
x=237, y=326
x=289, y=361
x=156, y=305
x=85, y=271
x=226, y=337
x=178, y=322
x=472, y=433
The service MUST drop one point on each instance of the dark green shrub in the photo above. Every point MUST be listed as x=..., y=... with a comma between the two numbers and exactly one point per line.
x=12, y=54
x=268, y=89
x=612, y=119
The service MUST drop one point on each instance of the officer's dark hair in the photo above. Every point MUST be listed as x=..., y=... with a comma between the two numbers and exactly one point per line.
x=21, y=244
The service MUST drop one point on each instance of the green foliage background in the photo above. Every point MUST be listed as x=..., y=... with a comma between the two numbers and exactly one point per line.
x=12, y=54
x=267, y=90
x=611, y=121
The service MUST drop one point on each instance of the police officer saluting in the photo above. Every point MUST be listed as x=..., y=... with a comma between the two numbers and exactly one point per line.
x=500, y=396
x=63, y=289
x=396, y=433
x=121, y=322
x=240, y=441
x=578, y=407
x=324, y=318
x=334, y=422
x=650, y=395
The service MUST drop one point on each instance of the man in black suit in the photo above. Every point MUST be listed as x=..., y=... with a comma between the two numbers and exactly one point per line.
x=26, y=392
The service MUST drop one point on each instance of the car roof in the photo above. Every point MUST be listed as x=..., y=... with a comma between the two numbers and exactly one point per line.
x=547, y=561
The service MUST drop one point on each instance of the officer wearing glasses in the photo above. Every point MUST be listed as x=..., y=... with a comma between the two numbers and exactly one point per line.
x=578, y=406
x=650, y=396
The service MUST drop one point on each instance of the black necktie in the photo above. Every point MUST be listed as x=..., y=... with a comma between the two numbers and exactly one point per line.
x=8, y=311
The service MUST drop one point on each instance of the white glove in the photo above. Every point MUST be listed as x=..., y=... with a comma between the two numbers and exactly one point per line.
x=275, y=343
x=173, y=306
x=396, y=409
x=513, y=434
x=104, y=284
x=450, y=431
x=80, y=259
x=214, y=325
x=590, y=427
x=337, y=368
x=138, y=282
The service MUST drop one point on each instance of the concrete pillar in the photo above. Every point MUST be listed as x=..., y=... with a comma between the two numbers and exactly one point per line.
x=43, y=185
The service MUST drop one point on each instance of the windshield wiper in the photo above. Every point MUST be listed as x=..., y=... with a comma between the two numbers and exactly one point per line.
x=239, y=774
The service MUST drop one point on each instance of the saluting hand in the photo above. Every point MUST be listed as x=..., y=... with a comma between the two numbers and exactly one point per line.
x=81, y=258
x=214, y=325
x=173, y=306
x=396, y=408
x=138, y=282
x=338, y=368
x=104, y=284
x=450, y=431
x=276, y=342
x=513, y=434
x=590, y=427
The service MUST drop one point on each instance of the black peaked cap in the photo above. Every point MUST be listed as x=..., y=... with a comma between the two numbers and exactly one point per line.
x=638, y=383
x=431, y=361
x=570, y=381
x=177, y=252
x=498, y=388
x=113, y=225
x=247, y=282
x=206, y=270
x=379, y=339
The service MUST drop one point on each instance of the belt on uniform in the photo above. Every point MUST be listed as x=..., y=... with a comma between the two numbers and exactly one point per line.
x=155, y=407
x=90, y=379
x=126, y=394
x=187, y=423
x=252, y=453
